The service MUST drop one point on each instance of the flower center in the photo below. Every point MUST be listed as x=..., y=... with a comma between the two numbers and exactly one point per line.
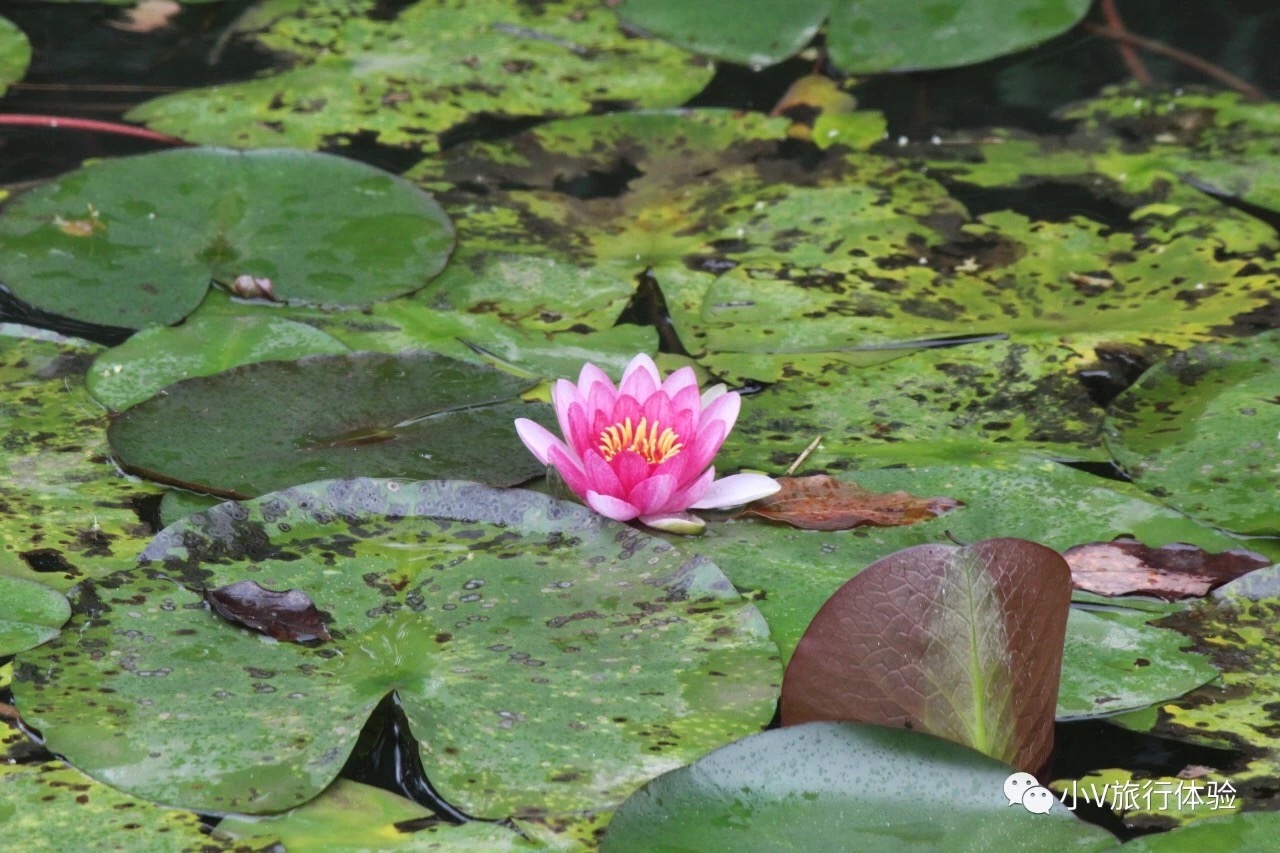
x=656, y=445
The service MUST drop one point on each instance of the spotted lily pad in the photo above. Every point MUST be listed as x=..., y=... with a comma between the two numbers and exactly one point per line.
x=156, y=357
x=15, y=54
x=53, y=807
x=65, y=511
x=100, y=244
x=547, y=660
x=359, y=69
x=1201, y=431
x=825, y=786
x=261, y=427
x=30, y=614
x=1237, y=630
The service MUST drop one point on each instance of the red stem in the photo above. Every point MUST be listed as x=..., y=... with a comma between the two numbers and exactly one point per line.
x=1205, y=67
x=87, y=124
x=1127, y=53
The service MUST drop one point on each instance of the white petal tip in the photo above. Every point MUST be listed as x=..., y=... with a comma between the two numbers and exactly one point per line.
x=737, y=490
x=680, y=523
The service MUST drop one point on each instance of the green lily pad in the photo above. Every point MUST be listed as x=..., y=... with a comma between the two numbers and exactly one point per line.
x=420, y=323
x=863, y=36
x=178, y=503
x=30, y=614
x=15, y=54
x=548, y=660
x=357, y=70
x=1114, y=661
x=156, y=357
x=52, y=807
x=102, y=245
x=791, y=573
x=66, y=513
x=1241, y=831
x=1200, y=432
x=1239, y=635
x=823, y=786
x=981, y=401
x=261, y=427
x=350, y=816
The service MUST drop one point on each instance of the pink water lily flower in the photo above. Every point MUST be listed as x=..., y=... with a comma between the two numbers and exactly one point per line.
x=643, y=449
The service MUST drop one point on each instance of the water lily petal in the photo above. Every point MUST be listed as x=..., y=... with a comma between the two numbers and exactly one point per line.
x=678, y=381
x=630, y=468
x=651, y=495
x=602, y=478
x=610, y=507
x=537, y=438
x=563, y=396
x=658, y=410
x=640, y=379
x=692, y=493
x=590, y=376
x=725, y=409
x=579, y=434
x=736, y=490
x=705, y=445
x=713, y=393
x=686, y=402
x=601, y=400
x=679, y=523
x=570, y=471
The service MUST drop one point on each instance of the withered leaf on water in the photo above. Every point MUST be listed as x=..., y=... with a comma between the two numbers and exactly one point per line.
x=289, y=616
x=1125, y=566
x=825, y=503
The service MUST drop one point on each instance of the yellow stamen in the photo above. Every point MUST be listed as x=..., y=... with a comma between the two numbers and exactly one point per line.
x=656, y=447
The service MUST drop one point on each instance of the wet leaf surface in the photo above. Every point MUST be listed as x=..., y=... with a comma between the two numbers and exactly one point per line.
x=816, y=786
x=30, y=614
x=749, y=32
x=66, y=512
x=323, y=229
x=548, y=661
x=290, y=616
x=1200, y=430
x=820, y=502
x=355, y=71
x=265, y=426
x=964, y=643
x=153, y=358
x=1126, y=566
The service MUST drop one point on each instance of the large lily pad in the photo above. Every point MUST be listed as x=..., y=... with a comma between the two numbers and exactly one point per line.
x=30, y=614
x=791, y=573
x=825, y=786
x=1202, y=432
x=156, y=357
x=65, y=510
x=102, y=245
x=15, y=54
x=548, y=660
x=358, y=70
x=261, y=427
x=863, y=36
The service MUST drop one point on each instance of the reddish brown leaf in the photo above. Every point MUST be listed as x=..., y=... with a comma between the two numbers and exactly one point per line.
x=825, y=503
x=1125, y=566
x=961, y=642
x=289, y=616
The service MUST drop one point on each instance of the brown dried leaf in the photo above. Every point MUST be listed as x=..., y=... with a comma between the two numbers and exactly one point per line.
x=288, y=616
x=825, y=503
x=1125, y=566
